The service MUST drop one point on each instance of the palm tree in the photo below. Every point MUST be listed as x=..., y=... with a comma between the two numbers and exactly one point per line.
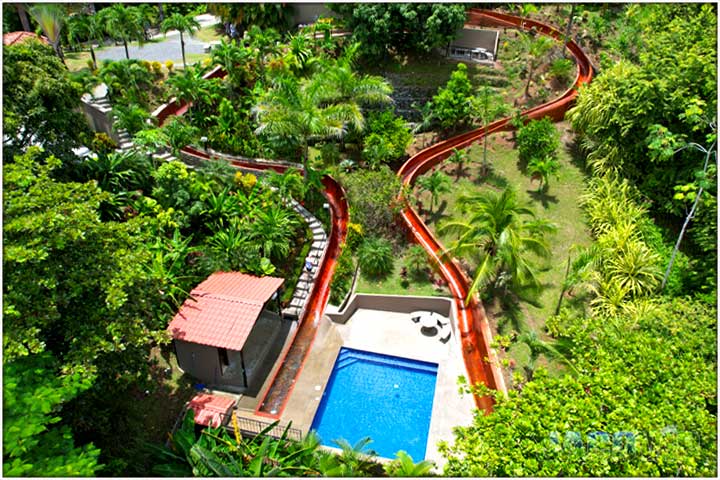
x=183, y=24
x=190, y=87
x=538, y=347
x=273, y=229
x=535, y=49
x=340, y=84
x=51, y=18
x=122, y=23
x=291, y=110
x=496, y=229
x=404, y=466
x=458, y=157
x=542, y=168
x=236, y=60
x=487, y=106
x=356, y=460
x=437, y=183
x=147, y=15
x=87, y=27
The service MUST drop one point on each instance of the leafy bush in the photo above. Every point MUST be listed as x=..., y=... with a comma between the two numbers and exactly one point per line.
x=376, y=258
x=180, y=134
x=330, y=154
x=652, y=374
x=451, y=106
x=371, y=195
x=131, y=118
x=342, y=279
x=393, y=130
x=538, y=139
x=562, y=69
x=102, y=144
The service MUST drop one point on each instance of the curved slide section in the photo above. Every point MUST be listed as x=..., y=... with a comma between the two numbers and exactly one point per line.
x=277, y=395
x=481, y=361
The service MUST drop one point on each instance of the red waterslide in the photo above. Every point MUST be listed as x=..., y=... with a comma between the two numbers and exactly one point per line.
x=277, y=395
x=475, y=334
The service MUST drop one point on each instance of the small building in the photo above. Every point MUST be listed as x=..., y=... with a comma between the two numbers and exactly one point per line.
x=474, y=44
x=225, y=329
x=14, y=38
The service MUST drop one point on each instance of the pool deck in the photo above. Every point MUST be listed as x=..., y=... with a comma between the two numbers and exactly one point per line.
x=391, y=333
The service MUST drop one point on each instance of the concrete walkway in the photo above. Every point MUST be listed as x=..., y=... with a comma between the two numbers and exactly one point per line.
x=165, y=48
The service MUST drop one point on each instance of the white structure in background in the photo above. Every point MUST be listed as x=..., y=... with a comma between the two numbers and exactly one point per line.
x=474, y=45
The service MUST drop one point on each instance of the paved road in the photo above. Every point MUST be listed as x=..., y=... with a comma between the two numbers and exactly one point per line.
x=166, y=48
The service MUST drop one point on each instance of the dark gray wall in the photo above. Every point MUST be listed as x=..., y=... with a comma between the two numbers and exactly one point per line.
x=306, y=13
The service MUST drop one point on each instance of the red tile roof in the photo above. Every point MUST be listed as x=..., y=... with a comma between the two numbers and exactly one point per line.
x=222, y=310
x=210, y=409
x=18, y=37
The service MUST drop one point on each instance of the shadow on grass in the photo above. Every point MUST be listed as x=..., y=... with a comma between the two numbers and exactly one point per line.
x=494, y=179
x=577, y=157
x=439, y=214
x=542, y=197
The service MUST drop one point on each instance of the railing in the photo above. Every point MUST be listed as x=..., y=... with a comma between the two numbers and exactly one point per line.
x=251, y=426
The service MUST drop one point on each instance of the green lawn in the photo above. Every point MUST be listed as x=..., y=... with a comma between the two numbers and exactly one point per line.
x=559, y=205
x=393, y=284
x=208, y=34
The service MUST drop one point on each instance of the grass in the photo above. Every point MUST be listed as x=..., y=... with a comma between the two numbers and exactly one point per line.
x=77, y=60
x=434, y=71
x=394, y=285
x=558, y=205
x=208, y=34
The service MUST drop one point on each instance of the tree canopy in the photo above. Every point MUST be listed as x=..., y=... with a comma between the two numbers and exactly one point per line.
x=642, y=403
x=401, y=27
x=39, y=102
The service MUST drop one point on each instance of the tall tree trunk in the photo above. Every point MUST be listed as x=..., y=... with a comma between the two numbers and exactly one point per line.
x=161, y=15
x=59, y=52
x=529, y=78
x=23, y=17
x=689, y=217
x=182, y=48
x=92, y=54
x=564, y=284
x=568, y=28
x=484, y=164
x=127, y=54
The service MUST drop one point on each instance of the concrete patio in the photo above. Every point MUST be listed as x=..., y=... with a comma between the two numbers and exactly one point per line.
x=392, y=333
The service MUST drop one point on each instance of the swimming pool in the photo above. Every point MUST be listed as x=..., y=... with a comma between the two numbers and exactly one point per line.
x=386, y=398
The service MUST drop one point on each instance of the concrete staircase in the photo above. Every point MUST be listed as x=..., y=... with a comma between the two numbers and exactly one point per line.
x=304, y=285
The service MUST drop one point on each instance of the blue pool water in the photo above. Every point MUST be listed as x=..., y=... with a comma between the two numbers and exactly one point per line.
x=386, y=398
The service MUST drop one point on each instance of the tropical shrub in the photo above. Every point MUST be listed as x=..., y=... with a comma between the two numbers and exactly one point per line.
x=372, y=199
x=376, y=258
x=642, y=403
x=393, y=130
x=562, y=69
x=451, y=107
x=102, y=144
x=343, y=276
x=537, y=139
